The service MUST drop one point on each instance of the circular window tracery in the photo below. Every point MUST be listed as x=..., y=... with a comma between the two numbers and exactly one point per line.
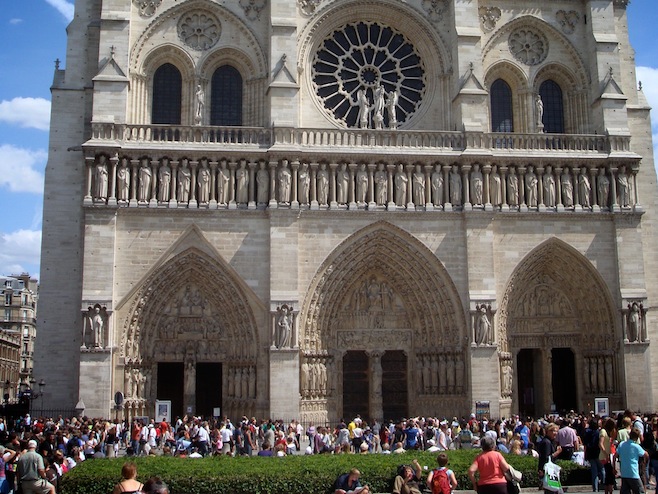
x=368, y=75
x=199, y=30
x=528, y=46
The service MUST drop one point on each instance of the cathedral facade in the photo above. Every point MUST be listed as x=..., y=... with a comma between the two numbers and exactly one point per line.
x=317, y=208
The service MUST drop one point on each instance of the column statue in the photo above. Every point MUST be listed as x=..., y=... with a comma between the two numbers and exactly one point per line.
x=145, y=176
x=242, y=184
x=323, y=185
x=164, y=181
x=204, y=183
x=418, y=187
x=123, y=181
x=477, y=185
x=100, y=178
x=184, y=183
x=285, y=179
x=304, y=179
x=381, y=183
x=549, y=188
x=401, y=182
x=584, y=188
x=223, y=184
x=342, y=184
x=361, y=185
x=455, y=186
x=437, y=186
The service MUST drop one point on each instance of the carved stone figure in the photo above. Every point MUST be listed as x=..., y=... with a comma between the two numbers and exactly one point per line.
x=100, y=178
x=164, y=181
x=455, y=186
x=507, y=379
x=482, y=325
x=263, y=184
x=323, y=185
x=145, y=176
x=342, y=184
x=285, y=180
x=283, y=333
x=184, y=183
x=418, y=186
x=242, y=184
x=363, y=116
x=204, y=183
x=223, y=184
x=200, y=103
x=539, y=108
x=634, y=316
x=97, y=325
x=584, y=188
x=531, y=187
x=391, y=107
x=494, y=187
x=477, y=184
x=304, y=179
x=381, y=185
x=567, y=188
x=603, y=187
x=512, y=188
x=437, y=186
x=361, y=185
x=401, y=182
x=623, y=187
x=123, y=181
x=549, y=187
x=378, y=107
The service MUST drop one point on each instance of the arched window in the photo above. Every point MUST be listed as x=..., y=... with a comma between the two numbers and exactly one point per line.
x=551, y=96
x=226, y=104
x=502, y=119
x=167, y=93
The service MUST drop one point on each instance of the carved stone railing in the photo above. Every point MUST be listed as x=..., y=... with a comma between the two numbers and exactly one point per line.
x=283, y=138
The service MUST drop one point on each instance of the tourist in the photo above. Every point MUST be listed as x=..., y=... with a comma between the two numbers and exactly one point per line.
x=629, y=453
x=491, y=467
x=128, y=483
x=408, y=479
x=31, y=472
x=350, y=483
x=155, y=485
x=441, y=480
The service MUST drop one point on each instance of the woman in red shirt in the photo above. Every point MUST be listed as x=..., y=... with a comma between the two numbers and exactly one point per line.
x=491, y=467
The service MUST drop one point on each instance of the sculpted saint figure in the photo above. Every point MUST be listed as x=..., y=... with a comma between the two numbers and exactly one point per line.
x=401, y=182
x=539, y=107
x=242, y=181
x=623, y=187
x=455, y=186
x=633, y=322
x=100, y=178
x=585, y=188
x=263, y=184
x=342, y=183
x=381, y=185
x=223, y=183
x=513, y=188
x=204, y=183
x=323, y=184
x=304, y=184
x=531, y=187
x=164, y=181
x=494, y=187
x=97, y=327
x=603, y=188
x=477, y=184
x=283, y=327
x=507, y=379
x=549, y=187
x=285, y=180
x=378, y=105
x=145, y=175
x=391, y=107
x=567, y=188
x=184, y=183
x=363, y=116
x=200, y=102
x=418, y=186
x=361, y=184
x=482, y=327
x=123, y=181
x=437, y=186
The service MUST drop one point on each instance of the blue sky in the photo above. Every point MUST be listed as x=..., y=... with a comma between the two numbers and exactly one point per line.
x=33, y=35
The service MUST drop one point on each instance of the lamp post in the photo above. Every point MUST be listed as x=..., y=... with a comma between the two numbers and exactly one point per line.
x=42, y=385
x=6, y=393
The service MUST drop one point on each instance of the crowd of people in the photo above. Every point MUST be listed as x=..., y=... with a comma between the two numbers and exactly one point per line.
x=61, y=443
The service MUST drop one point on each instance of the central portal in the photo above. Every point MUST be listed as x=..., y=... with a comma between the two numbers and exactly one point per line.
x=172, y=378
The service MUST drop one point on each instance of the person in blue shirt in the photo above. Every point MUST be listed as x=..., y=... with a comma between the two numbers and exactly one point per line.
x=524, y=432
x=629, y=452
x=411, y=436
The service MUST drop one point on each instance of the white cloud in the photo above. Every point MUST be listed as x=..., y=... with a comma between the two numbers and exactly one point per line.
x=65, y=8
x=15, y=21
x=19, y=249
x=26, y=112
x=19, y=169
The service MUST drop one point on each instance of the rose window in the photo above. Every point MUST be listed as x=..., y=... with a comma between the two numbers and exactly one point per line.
x=368, y=75
x=528, y=46
x=199, y=30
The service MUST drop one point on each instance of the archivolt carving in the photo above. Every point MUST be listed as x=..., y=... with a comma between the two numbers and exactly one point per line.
x=147, y=7
x=556, y=298
x=189, y=300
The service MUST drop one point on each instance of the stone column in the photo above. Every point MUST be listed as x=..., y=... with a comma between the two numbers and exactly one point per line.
x=522, y=204
x=486, y=171
x=153, y=202
x=252, y=185
x=294, y=200
x=89, y=165
x=391, y=173
x=410, y=188
x=314, y=186
x=372, y=205
x=502, y=169
x=613, y=190
x=232, y=165
x=466, y=188
x=273, y=204
x=332, y=186
x=447, y=206
x=134, y=164
x=351, y=196
x=577, y=205
x=376, y=396
x=193, y=184
x=540, y=189
x=558, y=189
x=429, y=206
x=636, y=193
x=173, y=197
x=595, y=191
x=112, y=186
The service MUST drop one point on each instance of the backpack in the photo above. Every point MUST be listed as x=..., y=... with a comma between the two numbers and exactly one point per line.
x=440, y=481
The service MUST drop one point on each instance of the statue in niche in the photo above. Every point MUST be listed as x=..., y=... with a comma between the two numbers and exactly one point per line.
x=539, y=109
x=482, y=324
x=623, y=187
x=304, y=184
x=145, y=176
x=381, y=185
x=549, y=187
x=634, y=321
x=223, y=184
x=342, y=184
x=567, y=188
x=455, y=186
x=494, y=187
x=584, y=188
x=283, y=332
x=477, y=184
x=391, y=107
x=204, y=183
x=361, y=184
x=164, y=181
x=378, y=107
x=603, y=187
x=184, y=183
x=263, y=184
x=242, y=184
x=97, y=325
x=363, y=116
x=123, y=181
x=507, y=380
x=437, y=186
x=285, y=180
x=200, y=103
x=401, y=182
x=323, y=185
x=418, y=187
x=531, y=187
x=512, y=188
x=100, y=178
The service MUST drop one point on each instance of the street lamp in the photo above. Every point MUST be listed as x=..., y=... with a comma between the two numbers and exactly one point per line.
x=6, y=393
x=42, y=384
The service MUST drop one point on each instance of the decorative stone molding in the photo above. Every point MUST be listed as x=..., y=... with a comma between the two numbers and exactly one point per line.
x=147, y=7
x=308, y=7
x=252, y=8
x=200, y=30
x=567, y=20
x=435, y=9
x=528, y=45
x=634, y=321
x=489, y=16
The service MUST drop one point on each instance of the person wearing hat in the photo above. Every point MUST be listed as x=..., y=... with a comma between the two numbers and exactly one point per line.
x=32, y=472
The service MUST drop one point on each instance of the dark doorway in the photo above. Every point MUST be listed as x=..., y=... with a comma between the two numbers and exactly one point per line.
x=564, y=379
x=170, y=386
x=208, y=388
x=394, y=385
x=528, y=371
x=356, y=385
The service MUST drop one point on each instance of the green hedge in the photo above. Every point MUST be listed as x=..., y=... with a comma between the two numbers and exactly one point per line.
x=292, y=474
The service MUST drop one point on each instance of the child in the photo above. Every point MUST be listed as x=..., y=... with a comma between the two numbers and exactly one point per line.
x=442, y=480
